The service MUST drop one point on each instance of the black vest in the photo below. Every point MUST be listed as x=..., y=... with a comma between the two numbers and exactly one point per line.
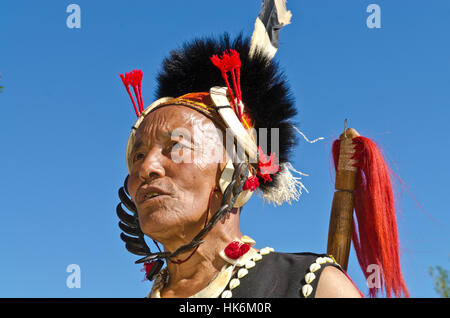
x=279, y=275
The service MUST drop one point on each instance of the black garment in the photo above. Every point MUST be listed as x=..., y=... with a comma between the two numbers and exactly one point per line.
x=279, y=275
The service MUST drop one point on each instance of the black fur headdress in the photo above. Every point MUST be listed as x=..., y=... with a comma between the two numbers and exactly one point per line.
x=265, y=92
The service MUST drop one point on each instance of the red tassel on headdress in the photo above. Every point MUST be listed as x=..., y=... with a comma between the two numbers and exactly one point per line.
x=375, y=236
x=267, y=166
x=236, y=68
x=134, y=79
x=231, y=62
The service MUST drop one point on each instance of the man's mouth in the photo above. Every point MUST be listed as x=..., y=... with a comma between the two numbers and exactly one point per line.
x=149, y=193
x=153, y=198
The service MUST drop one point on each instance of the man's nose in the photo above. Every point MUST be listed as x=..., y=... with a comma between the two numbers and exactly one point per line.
x=152, y=167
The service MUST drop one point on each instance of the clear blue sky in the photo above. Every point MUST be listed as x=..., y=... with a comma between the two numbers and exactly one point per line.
x=65, y=120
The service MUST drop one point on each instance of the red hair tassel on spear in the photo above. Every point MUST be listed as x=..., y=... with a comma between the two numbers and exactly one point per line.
x=363, y=184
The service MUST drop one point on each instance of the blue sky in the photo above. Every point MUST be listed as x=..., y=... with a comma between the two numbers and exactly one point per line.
x=65, y=119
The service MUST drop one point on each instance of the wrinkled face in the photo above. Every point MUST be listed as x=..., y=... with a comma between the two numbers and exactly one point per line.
x=177, y=156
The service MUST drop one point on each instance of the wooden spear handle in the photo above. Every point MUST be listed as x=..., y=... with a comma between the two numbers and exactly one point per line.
x=341, y=219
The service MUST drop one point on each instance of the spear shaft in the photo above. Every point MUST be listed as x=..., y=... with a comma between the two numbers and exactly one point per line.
x=341, y=218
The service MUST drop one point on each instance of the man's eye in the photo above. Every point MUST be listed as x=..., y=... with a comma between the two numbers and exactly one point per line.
x=138, y=156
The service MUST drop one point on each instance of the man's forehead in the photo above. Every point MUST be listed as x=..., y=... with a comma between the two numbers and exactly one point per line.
x=169, y=119
x=166, y=118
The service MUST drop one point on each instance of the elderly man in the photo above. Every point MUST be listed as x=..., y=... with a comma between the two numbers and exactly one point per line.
x=187, y=186
x=182, y=206
x=220, y=131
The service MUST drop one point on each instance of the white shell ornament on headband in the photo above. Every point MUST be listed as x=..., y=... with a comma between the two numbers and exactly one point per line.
x=225, y=180
x=220, y=99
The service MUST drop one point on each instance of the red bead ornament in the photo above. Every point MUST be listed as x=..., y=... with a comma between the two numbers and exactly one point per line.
x=251, y=183
x=152, y=268
x=244, y=248
x=235, y=249
x=148, y=267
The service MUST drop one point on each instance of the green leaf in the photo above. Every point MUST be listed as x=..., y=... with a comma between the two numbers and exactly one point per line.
x=441, y=281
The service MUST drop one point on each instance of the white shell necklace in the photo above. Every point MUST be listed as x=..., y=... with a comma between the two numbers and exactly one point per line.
x=222, y=284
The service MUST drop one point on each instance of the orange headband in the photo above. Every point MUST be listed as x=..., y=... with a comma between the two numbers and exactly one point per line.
x=203, y=103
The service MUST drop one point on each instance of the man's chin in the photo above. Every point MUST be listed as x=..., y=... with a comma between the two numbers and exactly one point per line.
x=155, y=220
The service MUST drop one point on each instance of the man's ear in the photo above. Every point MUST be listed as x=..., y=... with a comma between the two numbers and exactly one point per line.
x=225, y=180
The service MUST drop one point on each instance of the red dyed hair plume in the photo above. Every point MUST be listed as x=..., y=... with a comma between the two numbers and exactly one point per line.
x=231, y=62
x=134, y=79
x=375, y=236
